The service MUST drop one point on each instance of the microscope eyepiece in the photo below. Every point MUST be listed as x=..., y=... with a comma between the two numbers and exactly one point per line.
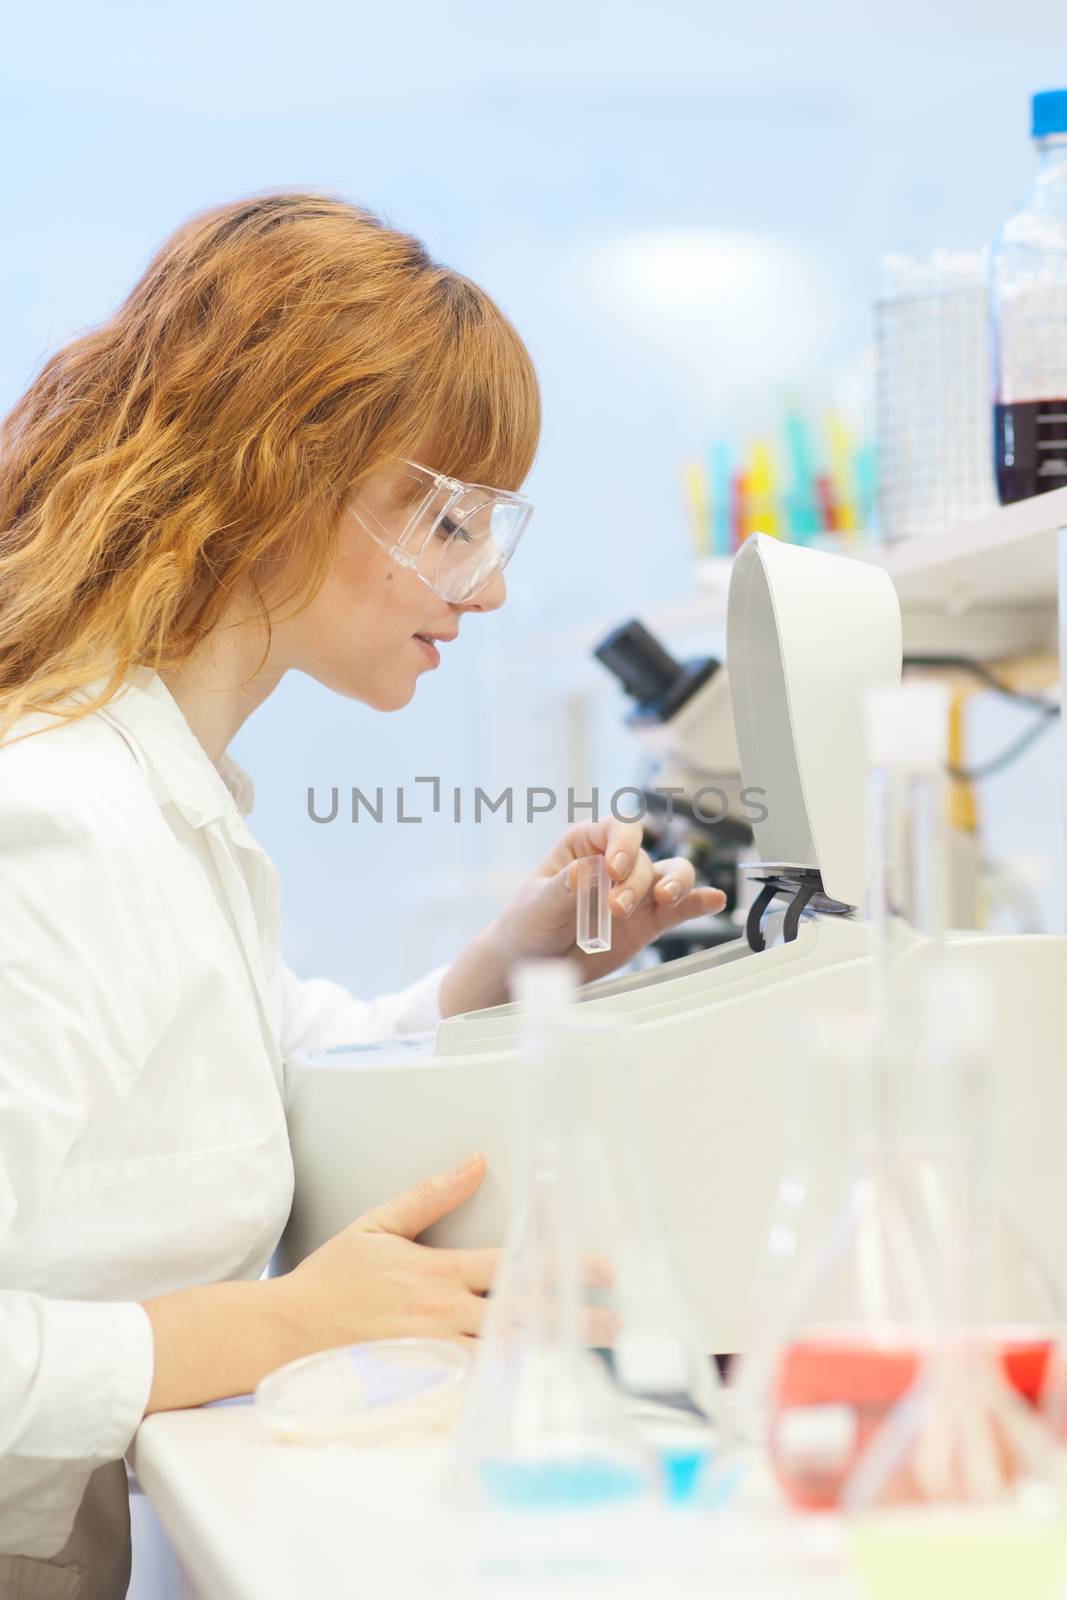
x=644, y=668
x=658, y=683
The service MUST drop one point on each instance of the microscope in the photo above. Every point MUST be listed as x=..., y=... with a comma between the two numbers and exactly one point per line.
x=695, y=804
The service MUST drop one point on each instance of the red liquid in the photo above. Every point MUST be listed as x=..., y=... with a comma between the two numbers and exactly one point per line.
x=833, y=1394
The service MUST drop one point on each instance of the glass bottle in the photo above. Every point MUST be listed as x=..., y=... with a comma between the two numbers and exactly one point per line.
x=1028, y=287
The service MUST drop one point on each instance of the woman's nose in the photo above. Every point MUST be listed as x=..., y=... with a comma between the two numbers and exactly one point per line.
x=491, y=598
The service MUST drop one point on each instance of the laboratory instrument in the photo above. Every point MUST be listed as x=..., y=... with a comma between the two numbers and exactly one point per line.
x=690, y=785
x=1028, y=282
x=593, y=890
x=807, y=631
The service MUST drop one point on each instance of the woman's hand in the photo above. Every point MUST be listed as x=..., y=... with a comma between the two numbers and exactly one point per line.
x=647, y=898
x=372, y=1281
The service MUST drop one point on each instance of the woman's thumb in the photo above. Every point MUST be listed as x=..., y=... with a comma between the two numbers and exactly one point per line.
x=411, y=1213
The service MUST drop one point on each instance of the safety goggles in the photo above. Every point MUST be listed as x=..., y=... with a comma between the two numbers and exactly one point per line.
x=454, y=536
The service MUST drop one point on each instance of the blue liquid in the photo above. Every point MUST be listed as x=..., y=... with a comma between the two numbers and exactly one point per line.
x=717, y=1480
x=560, y=1485
x=681, y=1472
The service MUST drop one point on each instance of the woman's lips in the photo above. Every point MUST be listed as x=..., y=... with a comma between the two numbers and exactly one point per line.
x=430, y=649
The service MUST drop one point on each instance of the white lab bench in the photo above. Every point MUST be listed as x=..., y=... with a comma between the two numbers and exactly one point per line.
x=251, y=1519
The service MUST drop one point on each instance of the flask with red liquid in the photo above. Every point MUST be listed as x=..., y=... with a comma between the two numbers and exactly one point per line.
x=857, y=1308
x=866, y=1303
x=959, y=1491
x=851, y=1290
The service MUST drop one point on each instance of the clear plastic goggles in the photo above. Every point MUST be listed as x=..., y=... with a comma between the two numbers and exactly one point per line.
x=455, y=536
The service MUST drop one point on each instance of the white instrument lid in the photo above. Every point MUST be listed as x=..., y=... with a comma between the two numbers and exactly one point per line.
x=806, y=633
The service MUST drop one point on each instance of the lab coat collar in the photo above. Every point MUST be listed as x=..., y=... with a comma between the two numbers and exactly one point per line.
x=177, y=766
x=211, y=797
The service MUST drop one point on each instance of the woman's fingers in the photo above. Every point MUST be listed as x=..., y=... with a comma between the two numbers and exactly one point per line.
x=412, y=1212
x=597, y=1272
x=618, y=842
x=628, y=892
x=622, y=849
x=663, y=883
x=470, y=1314
x=469, y=1341
x=674, y=892
x=476, y=1268
x=599, y=1324
x=702, y=902
x=665, y=886
x=674, y=879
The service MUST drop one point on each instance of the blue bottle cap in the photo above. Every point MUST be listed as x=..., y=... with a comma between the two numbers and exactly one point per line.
x=1050, y=112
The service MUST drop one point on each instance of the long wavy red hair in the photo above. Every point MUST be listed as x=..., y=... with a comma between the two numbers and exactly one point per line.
x=276, y=352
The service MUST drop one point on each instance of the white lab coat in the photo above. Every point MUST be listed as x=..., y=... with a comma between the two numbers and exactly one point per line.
x=144, y=1015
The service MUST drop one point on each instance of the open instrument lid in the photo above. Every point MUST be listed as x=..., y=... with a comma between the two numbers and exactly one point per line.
x=806, y=633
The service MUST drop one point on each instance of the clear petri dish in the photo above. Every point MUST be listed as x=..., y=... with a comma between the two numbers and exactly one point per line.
x=387, y=1391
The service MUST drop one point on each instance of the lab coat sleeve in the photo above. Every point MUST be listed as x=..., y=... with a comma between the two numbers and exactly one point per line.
x=85, y=993
x=320, y=1012
x=74, y=1382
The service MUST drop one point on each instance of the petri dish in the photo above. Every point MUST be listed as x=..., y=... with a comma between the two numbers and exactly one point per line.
x=386, y=1391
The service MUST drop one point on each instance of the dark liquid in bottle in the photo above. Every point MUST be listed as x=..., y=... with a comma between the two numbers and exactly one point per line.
x=1030, y=448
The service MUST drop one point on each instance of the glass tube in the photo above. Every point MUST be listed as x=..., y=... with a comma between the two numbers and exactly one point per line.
x=594, y=909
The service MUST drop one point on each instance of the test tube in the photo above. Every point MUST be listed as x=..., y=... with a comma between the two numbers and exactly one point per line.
x=594, y=911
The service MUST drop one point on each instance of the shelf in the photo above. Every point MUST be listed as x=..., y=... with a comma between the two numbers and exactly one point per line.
x=989, y=586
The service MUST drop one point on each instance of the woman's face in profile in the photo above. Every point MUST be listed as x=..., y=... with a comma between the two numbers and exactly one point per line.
x=359, y=634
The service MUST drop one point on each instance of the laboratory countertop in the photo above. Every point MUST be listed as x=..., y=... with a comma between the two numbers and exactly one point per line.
x=252, y=1519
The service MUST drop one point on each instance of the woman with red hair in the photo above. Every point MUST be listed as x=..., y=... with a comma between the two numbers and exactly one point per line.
x=274, y=457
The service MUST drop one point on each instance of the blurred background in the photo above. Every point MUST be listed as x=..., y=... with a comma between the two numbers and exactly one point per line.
x=683, y=211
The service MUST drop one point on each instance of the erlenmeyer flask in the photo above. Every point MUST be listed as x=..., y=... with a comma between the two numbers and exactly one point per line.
x=669, y=1383
x=957, y=1495
x=907, y=805
x=1053, y=1392
x=846, y=1307
x=958, y=1492
x=843, y=1298
x=542, y=1428
x=826, y=1110
x=946, y=1136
